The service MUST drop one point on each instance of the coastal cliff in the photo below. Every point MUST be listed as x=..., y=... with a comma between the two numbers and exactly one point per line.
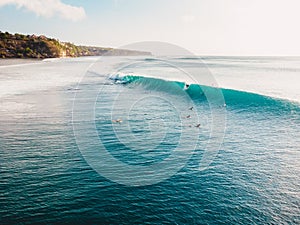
x=33, y=46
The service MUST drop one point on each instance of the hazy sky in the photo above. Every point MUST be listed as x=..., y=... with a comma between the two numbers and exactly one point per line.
x=205, y=27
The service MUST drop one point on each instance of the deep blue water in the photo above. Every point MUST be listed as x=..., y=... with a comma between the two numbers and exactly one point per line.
x=47, y=178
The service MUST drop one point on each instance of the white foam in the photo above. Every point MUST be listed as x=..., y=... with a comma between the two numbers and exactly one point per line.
x=24, y=78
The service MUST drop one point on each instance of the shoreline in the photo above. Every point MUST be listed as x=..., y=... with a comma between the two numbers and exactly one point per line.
x=18, y=61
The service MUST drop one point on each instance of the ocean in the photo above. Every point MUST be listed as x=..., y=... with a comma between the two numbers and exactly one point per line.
x=148, y=140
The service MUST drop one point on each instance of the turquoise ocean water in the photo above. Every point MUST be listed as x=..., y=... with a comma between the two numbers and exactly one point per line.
x=65, y=125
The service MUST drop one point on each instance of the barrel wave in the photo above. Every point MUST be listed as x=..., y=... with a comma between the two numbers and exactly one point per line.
x=233, y=98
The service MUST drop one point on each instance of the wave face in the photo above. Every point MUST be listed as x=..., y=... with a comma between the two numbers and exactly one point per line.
x=233, y=98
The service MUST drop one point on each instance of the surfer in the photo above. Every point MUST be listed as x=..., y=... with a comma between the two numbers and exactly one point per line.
x=117, y=121
x=189, y=116
x=191, y=108
x=198, y=125
x=186, y=86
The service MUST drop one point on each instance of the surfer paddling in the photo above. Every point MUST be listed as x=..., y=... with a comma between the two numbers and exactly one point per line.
x=117, y=121
x=198, y=125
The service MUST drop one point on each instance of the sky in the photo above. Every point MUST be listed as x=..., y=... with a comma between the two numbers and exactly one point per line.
x=204, y=27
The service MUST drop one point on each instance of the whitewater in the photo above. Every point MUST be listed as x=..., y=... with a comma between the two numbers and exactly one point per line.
x=271, y=76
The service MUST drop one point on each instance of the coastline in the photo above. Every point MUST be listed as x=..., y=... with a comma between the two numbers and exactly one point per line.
x=42, y=47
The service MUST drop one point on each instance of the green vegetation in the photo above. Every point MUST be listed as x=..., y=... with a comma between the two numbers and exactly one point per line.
x=32, y=46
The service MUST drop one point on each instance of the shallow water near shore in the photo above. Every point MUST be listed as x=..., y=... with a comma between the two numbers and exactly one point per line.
x=254, y=178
